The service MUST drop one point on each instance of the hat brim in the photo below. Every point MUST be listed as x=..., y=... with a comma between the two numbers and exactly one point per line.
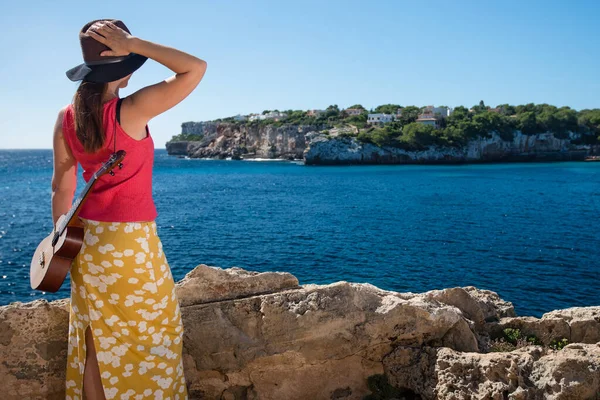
x=109, y=72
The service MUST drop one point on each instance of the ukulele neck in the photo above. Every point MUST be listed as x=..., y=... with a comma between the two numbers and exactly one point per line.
x=74, y=211
x=115, y=159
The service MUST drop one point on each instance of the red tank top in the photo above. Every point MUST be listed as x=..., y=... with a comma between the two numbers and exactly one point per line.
x=126, y=196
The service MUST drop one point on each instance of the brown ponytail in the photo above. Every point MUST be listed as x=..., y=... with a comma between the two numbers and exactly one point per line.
x=88, y=107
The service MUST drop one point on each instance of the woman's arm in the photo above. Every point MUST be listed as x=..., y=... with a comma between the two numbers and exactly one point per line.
x=155, y=99
x=64, y=177
x=152, y=100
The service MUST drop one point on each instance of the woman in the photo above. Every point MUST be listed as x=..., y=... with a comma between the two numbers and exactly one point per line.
x=125, y=329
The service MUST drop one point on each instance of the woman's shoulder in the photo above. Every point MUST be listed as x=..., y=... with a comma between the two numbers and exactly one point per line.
x=64, y=114
x=65, y=123
x=109, y=106
x=65, y=109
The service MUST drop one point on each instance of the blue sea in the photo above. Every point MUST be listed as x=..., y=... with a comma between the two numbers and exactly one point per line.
x=530, y=231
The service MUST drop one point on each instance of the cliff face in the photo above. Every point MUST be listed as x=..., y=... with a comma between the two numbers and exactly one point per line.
x=178, y=148
x=540, y=147
x=222, y=140
x=250, y=335
x=198, y=128
x=232, y=140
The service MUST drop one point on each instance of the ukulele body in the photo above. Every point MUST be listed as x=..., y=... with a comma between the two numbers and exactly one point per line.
x=50, y=264
x=53, y=257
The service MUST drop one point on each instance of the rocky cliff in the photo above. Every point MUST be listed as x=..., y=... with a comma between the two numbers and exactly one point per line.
x=237, y=141
x=250, y=335
x=228, y=140
x=177, y=148
x=323, y=150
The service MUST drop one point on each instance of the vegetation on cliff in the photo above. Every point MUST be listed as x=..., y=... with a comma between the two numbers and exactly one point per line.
x=186, y=137
x=454, y=130
x=480, y=121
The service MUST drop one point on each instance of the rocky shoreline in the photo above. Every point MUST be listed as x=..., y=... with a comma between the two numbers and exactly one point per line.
x=227, y=140
x=250, y=335
x=323, y=150
x=305, y=142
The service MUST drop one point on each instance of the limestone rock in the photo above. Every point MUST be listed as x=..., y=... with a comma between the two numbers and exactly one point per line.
x=529, y=373
x=288, y=141
x=33, y=349
x=479, y=306
x=577, y=325
x=584, y=323
x=178, y=148
x=572, y=373
x=223, y=140
x=284, y=344
x=206, y=284
x=324, y=150
x=250, y=335
x=482, y=376
x=545, y=329
x=444, y=373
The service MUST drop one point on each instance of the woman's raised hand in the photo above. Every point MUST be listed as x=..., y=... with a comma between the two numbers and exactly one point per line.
x=112, y=36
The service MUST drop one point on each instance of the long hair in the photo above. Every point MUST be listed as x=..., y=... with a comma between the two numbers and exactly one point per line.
x=88, y=107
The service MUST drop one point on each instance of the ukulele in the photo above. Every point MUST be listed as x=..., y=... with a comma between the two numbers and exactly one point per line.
x=54, y=255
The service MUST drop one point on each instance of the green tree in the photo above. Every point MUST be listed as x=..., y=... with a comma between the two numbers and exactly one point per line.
x=560, y=122
x=567, y=119
x=529, y=107
x=386, y=135
x=481, y=107
x=298, y=117
x=589, y=123
x=454, y=136
x=460, y=113
x=526, y=122
x=409, y=115
x=332, y=111
x=419, y=136
x=358, y=120
x=507, y=109
x=365, y=137
x=387, y=109
x=359, y=106
x=488, y=122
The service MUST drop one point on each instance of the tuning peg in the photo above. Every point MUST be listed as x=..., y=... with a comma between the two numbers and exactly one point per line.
x=120, y=165
x=111, y=172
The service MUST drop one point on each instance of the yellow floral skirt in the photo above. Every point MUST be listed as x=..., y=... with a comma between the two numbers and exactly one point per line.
x=122, y=287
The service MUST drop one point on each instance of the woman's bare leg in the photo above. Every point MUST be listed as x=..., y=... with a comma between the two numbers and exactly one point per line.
x=92, y=384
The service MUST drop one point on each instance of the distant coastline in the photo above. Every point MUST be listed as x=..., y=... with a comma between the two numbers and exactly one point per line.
x=392, y=134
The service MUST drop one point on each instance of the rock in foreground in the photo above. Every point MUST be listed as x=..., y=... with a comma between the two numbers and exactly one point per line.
x=255, y=335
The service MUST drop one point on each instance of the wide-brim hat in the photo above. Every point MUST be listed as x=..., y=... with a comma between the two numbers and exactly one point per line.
x=102, y=69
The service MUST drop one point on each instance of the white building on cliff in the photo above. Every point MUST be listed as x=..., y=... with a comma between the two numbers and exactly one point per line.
x=275, y=115
x=442, y=111
x=379, y=118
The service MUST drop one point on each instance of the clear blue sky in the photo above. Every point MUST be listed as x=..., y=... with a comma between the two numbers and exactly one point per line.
x=309, y=54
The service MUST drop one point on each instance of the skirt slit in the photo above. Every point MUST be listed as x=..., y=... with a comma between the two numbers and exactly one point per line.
x=122, y=287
